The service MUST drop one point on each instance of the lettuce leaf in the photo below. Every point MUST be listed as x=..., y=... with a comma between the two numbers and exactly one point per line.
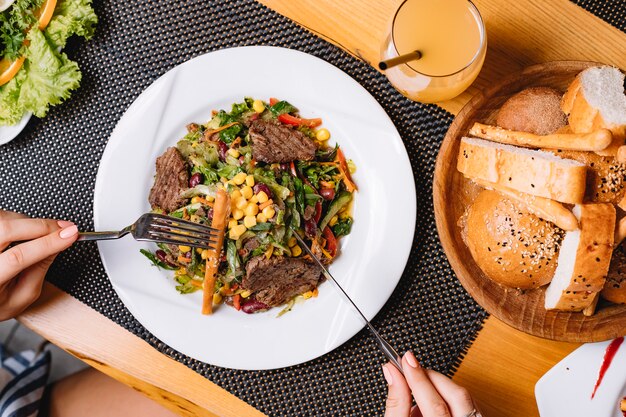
x=49, y=75
x=71, y=17
x=11, y=110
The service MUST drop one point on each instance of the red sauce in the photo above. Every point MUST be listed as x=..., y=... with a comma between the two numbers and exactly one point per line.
x=609, y=354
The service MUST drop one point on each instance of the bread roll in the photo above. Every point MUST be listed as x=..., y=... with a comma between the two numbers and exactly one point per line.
x=615, y=286
x=535, y=110
x=584, y=259
x=513, y=248
x=533, y=172
x=595, y=100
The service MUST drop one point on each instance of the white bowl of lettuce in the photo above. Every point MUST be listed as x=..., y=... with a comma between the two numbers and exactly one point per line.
x=34, y=73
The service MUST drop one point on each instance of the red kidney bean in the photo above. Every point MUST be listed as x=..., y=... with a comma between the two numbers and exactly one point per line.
x=161, y=255
x=188, y=255
x=195, y=179
x=259, y=186
x=254, y=306
x=310, y=228
x=327, y=193
x=222, y=148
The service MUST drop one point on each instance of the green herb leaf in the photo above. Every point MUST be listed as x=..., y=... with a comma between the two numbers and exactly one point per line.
x=342, y=227
x=155, y=261
x=282, y=107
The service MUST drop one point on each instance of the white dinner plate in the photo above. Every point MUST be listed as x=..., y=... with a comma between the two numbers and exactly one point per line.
x=373, y=255
x=8, y=133
x=565, y=390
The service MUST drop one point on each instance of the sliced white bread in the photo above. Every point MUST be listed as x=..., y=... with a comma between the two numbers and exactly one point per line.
x=584, y=259
x=538, y=173
x=596, y=100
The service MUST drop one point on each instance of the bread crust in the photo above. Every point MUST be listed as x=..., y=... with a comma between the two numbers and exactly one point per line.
x=593, y=257
x=528, y=171
x=583, y=118
x=615, y=286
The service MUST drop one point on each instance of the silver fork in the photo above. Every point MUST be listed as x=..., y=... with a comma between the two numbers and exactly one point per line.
x=162, y=229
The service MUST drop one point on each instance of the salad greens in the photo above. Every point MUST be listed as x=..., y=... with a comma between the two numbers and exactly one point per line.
x=47, y=76
x=269, y=202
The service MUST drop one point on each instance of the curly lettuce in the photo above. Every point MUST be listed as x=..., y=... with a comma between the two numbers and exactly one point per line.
x=48, y=76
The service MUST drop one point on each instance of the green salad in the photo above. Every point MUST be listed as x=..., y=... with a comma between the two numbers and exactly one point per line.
x=34, y=73
x=280, y=177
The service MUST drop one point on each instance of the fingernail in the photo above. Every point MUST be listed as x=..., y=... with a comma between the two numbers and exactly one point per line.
x=387, y=375
x=68, y=232
x=64, y=223
x=410, y=359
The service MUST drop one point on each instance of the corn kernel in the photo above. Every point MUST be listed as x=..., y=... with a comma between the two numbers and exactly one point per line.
x=234, y=153
x=241, y=203
x=258, y=106
x=249, y=221
x=184, y=248
x=225, y=289
x=268, y=252
x=296, y=251
x=251, y=209
x=236, y=232
x=205, y=254
x=250, y=181
x=333, y=220
x=209, y=198
x=307, y=295
x=262, y=197
x=239, y=178
x=269, y=212
x=180, y=271
x=344, y=214
x=254, y=199
x=235, y=195
x=246, y=293
x=195, y=200
x=292, y=241
x=199, y=251
x=247, y=192
x=322, y=135
x=232, y=223
x=351, y=166
x=217, y=298
x=260, y=218
x=237, y=214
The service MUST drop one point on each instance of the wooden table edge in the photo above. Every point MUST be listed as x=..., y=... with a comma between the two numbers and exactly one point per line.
x=99, y=342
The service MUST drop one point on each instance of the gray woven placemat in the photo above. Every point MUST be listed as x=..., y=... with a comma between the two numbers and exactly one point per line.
x=50, y=171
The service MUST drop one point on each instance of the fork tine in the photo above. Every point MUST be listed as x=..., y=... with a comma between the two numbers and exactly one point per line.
x=181, y=224
x=180, y=240
x=174, y=242
x=181, y=232
x=183, y=238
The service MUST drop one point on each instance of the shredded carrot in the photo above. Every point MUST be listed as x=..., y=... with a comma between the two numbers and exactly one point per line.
x=221, y=211
x=209, y=133
x=266, y=204
x=204, y=201
x=343, y=168
x=196, y=283
x=253, y=162
x=183, y=260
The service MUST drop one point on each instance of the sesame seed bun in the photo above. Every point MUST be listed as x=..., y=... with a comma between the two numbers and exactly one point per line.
x=512, y=247
x=536, y=110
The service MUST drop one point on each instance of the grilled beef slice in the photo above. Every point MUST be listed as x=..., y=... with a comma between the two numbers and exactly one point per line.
x=275, y=143
x=277, y=279
x=172, y=177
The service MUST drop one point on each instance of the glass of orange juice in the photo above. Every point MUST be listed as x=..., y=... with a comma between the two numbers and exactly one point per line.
x=451, y=39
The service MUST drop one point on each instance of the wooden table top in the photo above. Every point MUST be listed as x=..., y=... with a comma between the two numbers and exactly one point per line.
x=520, y=33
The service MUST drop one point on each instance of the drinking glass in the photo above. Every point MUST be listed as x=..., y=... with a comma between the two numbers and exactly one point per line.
x=451, y=38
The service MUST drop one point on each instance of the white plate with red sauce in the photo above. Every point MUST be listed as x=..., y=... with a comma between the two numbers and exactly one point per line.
x=567, y=390
x=372, y=257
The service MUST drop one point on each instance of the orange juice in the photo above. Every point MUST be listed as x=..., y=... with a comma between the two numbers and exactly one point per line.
x=451, y=38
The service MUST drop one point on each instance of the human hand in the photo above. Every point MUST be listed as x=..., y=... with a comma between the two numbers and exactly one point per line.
x=435, y=394
x=23, y=267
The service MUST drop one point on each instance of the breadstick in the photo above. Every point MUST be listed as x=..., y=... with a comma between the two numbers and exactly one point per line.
x=221, y=211
x=593, y=141
x=622, y=404
x=547, y=209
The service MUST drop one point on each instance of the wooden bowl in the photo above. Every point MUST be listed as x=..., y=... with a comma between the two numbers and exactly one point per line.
x=452, y=193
